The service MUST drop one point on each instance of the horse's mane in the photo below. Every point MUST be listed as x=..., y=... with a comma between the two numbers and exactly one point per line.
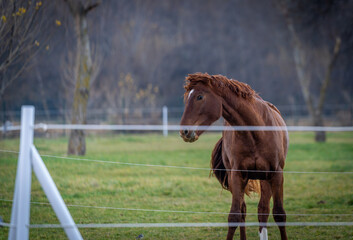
x=273, y=107
x=218, y=83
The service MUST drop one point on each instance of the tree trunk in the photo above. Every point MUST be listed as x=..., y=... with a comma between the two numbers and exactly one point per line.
x=77, y=143
x=320, y=136
x=42, y=95
x=304, y=76
x=304, y=80
x=318, y=118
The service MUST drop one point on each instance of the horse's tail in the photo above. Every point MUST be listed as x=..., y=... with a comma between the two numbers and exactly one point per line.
x=217, y=166
x=253, y=186
x=219, y=170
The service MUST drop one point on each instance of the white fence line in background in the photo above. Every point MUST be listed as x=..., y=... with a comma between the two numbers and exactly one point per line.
x=177, y=167
x=166, y=128
x=180, y=127
x=10, y=128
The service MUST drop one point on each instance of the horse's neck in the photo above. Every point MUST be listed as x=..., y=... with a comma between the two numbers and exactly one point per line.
x=238, y=111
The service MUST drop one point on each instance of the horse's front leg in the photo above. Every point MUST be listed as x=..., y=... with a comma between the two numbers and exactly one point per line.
x=237, y=186
x=278, y=211
x=264, y=208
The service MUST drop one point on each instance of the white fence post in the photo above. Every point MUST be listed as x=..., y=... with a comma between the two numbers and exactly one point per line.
x=28, y=158
x=20, y=215
x=165, y=121
x=54, y=196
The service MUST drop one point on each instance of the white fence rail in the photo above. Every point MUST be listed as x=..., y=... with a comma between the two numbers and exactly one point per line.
x=162, y=119
x=165, y=128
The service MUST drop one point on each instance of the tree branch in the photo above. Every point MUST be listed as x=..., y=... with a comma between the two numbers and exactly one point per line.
x=91, y=7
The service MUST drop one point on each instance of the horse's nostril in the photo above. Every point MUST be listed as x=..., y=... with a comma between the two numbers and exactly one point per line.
x=186, y=132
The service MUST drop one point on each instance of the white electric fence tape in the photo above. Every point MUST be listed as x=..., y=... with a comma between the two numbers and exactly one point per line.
x=46, y=127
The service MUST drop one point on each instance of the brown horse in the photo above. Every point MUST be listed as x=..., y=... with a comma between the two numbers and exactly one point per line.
x=241, y=160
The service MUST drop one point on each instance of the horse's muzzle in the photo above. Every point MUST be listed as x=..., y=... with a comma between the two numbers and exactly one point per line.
x=188, y=136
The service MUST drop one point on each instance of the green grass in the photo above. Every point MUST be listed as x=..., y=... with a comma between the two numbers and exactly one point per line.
x=122, y=186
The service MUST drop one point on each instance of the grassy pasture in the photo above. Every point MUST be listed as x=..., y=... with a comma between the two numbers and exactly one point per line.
x=122, y=186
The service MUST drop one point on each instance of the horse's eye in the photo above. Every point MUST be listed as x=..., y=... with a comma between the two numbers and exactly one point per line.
x=199, y=97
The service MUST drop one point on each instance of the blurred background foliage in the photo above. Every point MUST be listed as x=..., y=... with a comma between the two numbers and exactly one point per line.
x=143, y=49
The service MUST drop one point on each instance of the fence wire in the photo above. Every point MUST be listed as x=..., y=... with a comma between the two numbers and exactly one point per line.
x=189, y=212
x=176, y=167
x=184, y=225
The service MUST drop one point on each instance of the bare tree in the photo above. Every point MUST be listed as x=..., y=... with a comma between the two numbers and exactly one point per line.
x=159, y=42
x=306, y=54
x=20, y=25
x=83, y=72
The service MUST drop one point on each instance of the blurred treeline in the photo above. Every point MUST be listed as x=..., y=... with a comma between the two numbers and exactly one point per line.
x=143, y=49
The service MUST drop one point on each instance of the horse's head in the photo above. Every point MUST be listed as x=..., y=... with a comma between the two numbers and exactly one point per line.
x=202, y=106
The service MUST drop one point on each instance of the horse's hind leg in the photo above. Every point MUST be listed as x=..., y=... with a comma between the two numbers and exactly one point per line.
x=243, y=216
x=279, y=215
x=263, y=208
